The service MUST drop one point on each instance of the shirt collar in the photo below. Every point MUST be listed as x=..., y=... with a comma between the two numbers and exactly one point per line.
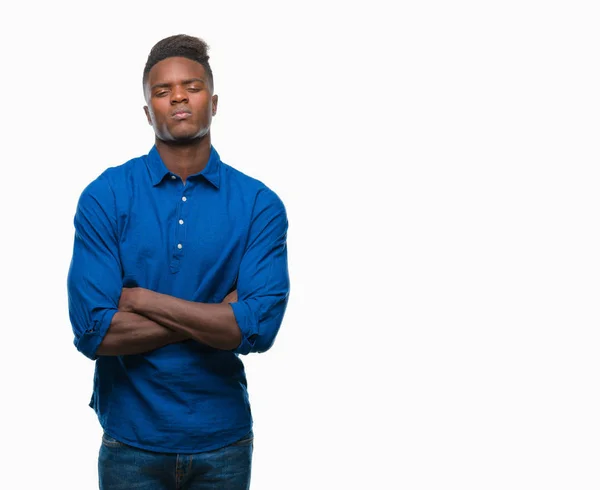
x=158, y=170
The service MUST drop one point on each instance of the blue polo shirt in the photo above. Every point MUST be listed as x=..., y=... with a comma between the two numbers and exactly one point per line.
x=138, y=224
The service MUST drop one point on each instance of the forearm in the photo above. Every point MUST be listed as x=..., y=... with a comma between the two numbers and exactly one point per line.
x=130, y=333
x=210, y=324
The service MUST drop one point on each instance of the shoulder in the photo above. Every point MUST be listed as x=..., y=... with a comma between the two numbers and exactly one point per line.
x=116, y=175
x=113, y=178
x=103, y=188
x=260, y=193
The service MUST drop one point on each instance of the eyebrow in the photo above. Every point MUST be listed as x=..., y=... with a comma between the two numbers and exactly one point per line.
x=184, y=82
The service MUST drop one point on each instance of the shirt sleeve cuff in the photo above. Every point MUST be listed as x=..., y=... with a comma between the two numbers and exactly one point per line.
x=88, y=343
x=247, y=321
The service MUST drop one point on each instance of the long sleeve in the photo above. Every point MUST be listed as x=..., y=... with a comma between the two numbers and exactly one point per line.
x=263, y=281
x=94, y=279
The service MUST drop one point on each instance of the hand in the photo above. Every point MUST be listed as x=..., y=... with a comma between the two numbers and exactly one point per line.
x=231, y=297
x=129, y=297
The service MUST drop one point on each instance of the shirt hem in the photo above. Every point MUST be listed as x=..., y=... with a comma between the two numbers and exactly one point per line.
x=158, y=449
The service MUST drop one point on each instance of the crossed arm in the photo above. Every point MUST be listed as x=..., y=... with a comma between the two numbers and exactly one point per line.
x=147, y=320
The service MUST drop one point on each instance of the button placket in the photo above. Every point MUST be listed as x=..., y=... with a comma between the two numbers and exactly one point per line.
x=180, y=231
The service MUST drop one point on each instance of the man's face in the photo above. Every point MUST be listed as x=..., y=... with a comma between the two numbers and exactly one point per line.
x=180, y=101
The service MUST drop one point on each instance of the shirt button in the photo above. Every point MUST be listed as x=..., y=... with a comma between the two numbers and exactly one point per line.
x=180, y=221
x=184, y=198
x=173, y=177
x=179, y=246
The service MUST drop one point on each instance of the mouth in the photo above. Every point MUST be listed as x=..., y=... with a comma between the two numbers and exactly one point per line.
x=179, y=115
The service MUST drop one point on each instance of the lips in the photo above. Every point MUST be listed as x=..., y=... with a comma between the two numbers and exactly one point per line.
x=181, y=115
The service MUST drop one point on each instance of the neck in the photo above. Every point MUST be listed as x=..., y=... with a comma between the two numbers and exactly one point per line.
x=185, y=159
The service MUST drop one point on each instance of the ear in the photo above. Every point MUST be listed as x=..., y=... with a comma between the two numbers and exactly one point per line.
x=147, y=111
x=215, y=102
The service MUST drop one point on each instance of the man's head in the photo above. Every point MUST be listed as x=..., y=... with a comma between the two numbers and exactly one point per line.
x=178, y=88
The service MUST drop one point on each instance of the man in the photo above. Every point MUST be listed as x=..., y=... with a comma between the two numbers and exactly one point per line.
x=179, y=265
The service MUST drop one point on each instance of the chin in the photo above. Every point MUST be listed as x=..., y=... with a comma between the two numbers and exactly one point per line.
x=187, y=136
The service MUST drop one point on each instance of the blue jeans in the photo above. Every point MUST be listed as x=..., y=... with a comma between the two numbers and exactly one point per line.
x=122, y=467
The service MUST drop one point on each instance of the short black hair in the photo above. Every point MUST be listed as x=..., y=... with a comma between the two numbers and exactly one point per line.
x=182, y=45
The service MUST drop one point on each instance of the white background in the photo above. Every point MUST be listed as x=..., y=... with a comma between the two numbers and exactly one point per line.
x=439, y=164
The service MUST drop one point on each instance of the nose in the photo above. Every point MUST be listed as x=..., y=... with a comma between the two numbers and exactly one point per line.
x=178, y=95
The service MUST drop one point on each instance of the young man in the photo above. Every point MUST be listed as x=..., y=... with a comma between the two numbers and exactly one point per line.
x=179, y=265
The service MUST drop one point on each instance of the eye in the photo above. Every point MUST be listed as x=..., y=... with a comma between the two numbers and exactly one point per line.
x=194, y=89
x=162, y=93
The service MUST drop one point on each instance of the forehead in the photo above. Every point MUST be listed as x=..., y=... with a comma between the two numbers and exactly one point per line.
x=175, y=69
